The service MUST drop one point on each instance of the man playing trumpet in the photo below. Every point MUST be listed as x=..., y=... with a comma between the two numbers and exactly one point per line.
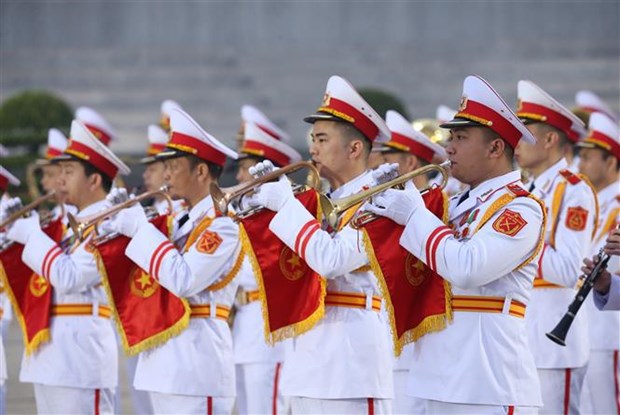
x=77, y=371
x=343, y=364
x=481, y=362
x=194, y=371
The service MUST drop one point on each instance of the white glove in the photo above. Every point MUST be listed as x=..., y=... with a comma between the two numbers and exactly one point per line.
x=8, y=207
x=117, y=195
x=262, y=168
x=397, y=205
x=128, y=221
x=385, y=172
x=272, y=195
x=22, y=228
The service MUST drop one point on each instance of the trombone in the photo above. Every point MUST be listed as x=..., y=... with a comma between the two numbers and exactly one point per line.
x=222, y=197
x=82, y=225
x=333, y=209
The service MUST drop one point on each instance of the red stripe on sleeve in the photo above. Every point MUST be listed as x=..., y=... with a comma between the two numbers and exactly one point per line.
x=304, y=244
x=301, y=233
x=155, y=255
x=163, y=253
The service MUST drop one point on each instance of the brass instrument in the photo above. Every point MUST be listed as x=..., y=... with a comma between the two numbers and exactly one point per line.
x=81, y=225
x=430, y=128
x=222, y=197
x=333, y=209
x=28, y=208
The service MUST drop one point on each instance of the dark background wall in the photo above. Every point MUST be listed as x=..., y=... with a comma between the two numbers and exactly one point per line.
x=124, y=58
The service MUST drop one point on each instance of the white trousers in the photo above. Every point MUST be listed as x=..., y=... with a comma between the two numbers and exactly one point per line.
x=403, y=403
x=561, y=390
x=447, y=408
x=64, y=401
x=601, y=387
x=258, y=389
x=370, y=406
x=140, y=400
x=164, y=403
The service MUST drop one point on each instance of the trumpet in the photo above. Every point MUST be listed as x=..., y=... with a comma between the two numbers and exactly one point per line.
x=80, y=226
x=29, y=207
x=222, y=197
x=332, y=210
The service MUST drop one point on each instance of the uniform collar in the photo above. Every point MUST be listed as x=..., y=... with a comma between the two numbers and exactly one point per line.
x=353, y=186
x=544, y=182
x=202, y=209
x=94, y=208
x=485, y=190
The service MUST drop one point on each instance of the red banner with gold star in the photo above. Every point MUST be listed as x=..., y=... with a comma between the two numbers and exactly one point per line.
x=147, y=314
x=291, y=293
x=30, y=294
x=417, y=299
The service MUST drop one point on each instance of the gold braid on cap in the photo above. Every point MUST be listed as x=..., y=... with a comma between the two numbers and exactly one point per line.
x=474, y=118
x=532, y=116
x=337, y=113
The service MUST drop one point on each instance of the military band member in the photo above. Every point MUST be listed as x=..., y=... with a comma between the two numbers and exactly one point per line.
x=77, y=371
x=481, y=363
x=6, y=179
x=572, y=215
x=599, y=156
x=194, y=371
x=410, y=149
x=344, y=364
x=258, y=365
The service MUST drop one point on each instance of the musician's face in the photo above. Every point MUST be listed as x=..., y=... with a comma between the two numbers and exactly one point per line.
x=181, y=178
x=330, y=150
x=154, y=176
x=50, y=177
x=75, y=185
x=598, y=165
x=375, y=159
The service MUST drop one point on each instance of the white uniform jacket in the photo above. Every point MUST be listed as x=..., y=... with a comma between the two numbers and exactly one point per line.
x=83, y=352
x=481, y=358
x=199, y=361
x=571, y=222
x=347, y=354
x=605, y=327
x=248, y=328
x=610, y=301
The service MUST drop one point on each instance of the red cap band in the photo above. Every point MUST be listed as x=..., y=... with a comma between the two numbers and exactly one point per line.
x=551, y=117
x=197, y=147
x=484, y=115
x=257, y=149
x=52, y=152
x=606, y=142
x=155, y=148
x=100, y=134
x=412, y=146
x=350, y=114
x=4, y=183
x=87, y=154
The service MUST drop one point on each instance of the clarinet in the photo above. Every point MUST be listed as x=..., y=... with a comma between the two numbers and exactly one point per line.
x=558, y=334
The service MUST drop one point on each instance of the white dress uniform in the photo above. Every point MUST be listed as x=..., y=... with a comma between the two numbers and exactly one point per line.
x=78, y=367
x=600, y=393
x=481, y=358
x=561, y=369
x=258, y=364
x=195, y=369
x=344, y=364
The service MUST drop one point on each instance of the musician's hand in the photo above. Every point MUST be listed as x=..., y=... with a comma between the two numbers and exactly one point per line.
x=397, y=205
x=117, y=195
x=603, y=282
x=612, y=247
x=22, y=228
x=272, y=195
x=262, y=168
x=128, y=221
x=8, y=207
x=385, y=172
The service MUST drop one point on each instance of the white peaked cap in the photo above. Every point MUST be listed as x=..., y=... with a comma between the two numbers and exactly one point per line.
x=342, y=102
x=258, y=143
x=97, y=124
x=589, y=101
x=85, y=146
x=406, y=138
x=250, y=114
x=538, y=106
x=482, y=106
x=187, y=136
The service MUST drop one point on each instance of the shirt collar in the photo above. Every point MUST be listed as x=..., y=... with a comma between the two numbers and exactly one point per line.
x=484, y=190
x=353, y=186
x=545, y=180
x=202, y=209
x=608, y=193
